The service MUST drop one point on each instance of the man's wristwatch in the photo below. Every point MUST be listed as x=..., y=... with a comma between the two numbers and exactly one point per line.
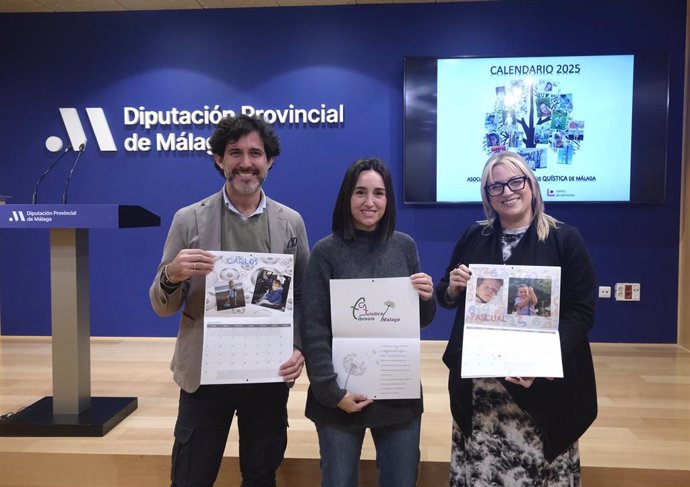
x=165, y=283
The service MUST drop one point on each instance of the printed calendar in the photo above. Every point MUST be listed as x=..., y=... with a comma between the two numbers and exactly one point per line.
x=248, y=318
x=511, y=322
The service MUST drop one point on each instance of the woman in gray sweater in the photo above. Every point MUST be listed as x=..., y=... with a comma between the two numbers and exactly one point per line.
x=364, y=244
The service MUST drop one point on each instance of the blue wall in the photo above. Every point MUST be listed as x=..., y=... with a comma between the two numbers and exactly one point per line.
x=270, y=58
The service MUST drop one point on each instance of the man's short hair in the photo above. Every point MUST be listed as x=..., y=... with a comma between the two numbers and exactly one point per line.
x=231, y=128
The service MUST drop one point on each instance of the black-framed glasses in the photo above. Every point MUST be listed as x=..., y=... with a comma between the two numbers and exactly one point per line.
x=515, y=184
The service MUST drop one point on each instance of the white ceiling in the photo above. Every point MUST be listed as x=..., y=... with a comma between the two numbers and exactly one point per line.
x=7, y=6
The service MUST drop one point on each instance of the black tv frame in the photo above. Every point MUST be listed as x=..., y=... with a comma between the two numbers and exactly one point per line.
x=649, y=138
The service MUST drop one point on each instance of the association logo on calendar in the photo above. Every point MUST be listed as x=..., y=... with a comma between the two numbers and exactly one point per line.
x=377, y=311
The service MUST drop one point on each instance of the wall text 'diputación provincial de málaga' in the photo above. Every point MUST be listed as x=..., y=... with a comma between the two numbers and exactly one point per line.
x=208, y=117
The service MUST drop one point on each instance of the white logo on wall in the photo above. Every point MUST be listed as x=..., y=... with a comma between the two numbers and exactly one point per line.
x=75, y=130
x=159, y=128
x=17, y=216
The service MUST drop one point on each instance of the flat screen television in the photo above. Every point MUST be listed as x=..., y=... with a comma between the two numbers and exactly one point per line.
x=593, y=128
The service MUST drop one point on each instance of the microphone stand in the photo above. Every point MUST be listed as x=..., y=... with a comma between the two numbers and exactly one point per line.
x=34, y=196
x=71, y=172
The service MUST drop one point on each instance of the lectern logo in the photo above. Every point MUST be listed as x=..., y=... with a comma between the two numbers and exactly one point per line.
x=17, y=216
x=75, y=130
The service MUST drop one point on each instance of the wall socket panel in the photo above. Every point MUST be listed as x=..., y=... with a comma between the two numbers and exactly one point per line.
x=604, y=291
x=627, y=291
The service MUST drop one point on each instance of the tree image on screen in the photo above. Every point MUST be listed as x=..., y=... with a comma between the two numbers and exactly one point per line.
x=531, y=117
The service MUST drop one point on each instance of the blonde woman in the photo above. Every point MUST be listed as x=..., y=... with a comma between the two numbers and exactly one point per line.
x=521, y=431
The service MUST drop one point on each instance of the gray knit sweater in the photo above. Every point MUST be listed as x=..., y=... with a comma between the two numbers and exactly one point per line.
x=336, y=258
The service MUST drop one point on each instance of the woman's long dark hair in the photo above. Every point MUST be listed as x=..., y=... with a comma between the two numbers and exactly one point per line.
x=343, y=223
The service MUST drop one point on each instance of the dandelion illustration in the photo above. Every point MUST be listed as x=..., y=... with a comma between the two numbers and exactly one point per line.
x=389, y=304
x=354, y=365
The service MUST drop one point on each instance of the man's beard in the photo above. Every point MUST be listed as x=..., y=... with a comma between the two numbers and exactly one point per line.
x=245, y=188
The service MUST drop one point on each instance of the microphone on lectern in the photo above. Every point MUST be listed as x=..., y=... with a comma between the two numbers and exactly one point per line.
x=34, y=197
x=82, y=146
